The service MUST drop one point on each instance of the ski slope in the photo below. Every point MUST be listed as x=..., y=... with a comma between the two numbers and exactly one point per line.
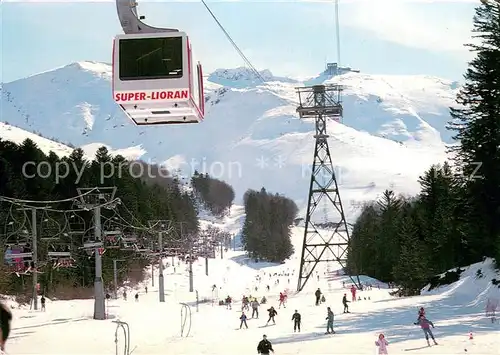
x=67, y=326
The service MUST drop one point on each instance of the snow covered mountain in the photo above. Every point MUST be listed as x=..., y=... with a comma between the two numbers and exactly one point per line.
x=393, y=128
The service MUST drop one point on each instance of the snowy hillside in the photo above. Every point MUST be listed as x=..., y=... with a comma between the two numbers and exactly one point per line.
x=252, y=136
x=18, y=135
x=156, y=328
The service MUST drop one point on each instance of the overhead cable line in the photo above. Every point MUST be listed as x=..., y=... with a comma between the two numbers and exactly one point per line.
x=242, y=55
x=10, y=199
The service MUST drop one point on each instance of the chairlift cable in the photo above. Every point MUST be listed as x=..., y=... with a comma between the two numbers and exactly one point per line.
x=10, y=199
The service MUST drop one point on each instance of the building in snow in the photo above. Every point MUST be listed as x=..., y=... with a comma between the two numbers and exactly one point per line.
x=334, y=69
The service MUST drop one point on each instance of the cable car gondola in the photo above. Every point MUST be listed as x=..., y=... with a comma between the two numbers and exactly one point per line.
x=155, y=78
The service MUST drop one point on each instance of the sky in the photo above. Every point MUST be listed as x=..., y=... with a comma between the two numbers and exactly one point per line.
x=290, y=38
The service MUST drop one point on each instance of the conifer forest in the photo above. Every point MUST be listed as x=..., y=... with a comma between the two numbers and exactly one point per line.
x=455, y=219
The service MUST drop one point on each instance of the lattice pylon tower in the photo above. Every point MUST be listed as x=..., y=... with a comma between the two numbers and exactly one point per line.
x=322, y=103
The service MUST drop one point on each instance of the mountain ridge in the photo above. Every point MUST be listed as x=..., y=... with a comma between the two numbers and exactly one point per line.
x=251, y=136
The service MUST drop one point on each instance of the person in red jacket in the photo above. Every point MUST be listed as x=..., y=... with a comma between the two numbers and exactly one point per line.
x=353, y=293
x=282, y=300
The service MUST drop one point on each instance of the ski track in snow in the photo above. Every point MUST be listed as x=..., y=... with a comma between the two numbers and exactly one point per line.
x=67, y=327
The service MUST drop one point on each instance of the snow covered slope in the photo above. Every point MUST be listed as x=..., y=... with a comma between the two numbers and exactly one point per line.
x=155, y=328
x=252, y=136
x=18, y=135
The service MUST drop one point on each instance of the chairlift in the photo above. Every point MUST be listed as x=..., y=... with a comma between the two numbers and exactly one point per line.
x=131, y=239
x=112, y=239
x=141, y=248
x=18, y=257
x=61, y=255
x=90, y=243
x=49, y=229
x=59, y=251
x=16, y=223
x=128, y=241
x=128, y=247
x=75, y=224
x=64, y=262
x=171, y=252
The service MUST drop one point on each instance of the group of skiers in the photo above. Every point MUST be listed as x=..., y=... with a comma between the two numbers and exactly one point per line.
x=136, y=296
x=271, y=311
x=265, y=346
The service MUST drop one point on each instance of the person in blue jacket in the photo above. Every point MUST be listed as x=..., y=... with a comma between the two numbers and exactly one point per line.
x=243, y=320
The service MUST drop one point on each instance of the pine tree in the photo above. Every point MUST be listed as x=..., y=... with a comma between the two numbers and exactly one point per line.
x=436, y=220
x=387, y=244
x=477, y=127
x=411, y=269
x=362, y=258
x=267, y=227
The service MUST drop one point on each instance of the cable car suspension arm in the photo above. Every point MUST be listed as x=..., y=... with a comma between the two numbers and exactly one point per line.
x=131, y=22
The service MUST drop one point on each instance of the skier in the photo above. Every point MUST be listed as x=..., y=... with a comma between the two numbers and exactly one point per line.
x=345, y=302
x=146, y=289
x=421, y=311
x=263, y=300
x=136, y=297
x=323, y=299
x=228, y=302
x=42, y=301
x=329, y=323
x=318, y=296
x=264, y=346
x=243, y=320
x=353, y=293
x=5, y=319
x=424, y=324
x=382, y=344
x=255, y=308
x=491, y=307
x=124, y=295
x=296, y=321
x=272, y=314
x=282, y=300
x=244, y=304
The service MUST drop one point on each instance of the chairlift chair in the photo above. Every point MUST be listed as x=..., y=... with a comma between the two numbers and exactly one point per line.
x=64, y=263
x=18, y=257
x=16, y=223
x=90, y=243
x=61, y=256
x=75, y=224
x=112, y=239
x=141, y=248
x=59, y=251
x=48, y=229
